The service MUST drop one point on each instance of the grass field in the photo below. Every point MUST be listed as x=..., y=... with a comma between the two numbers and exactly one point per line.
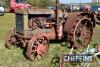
x=16, y=58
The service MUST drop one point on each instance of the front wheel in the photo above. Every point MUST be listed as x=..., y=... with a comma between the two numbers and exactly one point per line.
x=10, y=39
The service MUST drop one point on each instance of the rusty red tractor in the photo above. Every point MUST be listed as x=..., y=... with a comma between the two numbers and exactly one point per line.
x=35, y=27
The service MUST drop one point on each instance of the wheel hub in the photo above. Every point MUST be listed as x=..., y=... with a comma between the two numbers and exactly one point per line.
x=41, y=49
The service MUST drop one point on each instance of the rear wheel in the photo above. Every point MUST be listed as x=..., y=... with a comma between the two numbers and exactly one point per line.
x=82, y=33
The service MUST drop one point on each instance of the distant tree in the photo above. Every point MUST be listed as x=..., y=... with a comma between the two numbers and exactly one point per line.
x=38, y=3
x=5, y=3
x=41, y=3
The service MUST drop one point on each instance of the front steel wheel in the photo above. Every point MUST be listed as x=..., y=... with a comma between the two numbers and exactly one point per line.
x=10, y=40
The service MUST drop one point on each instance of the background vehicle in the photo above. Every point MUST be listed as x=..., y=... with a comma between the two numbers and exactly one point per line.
x=97, y=12
x=2, y=10
x=14, y=4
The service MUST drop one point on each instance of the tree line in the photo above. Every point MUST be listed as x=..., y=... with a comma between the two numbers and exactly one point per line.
x=37, y=3
x=42, y=3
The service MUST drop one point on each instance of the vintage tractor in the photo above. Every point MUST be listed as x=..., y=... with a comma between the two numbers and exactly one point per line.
x=36, y=26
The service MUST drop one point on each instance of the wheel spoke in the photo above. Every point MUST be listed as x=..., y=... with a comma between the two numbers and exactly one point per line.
x=37, y=42
x=40, y=55
x=45, y=42
x=34, y=46
x=34, y=51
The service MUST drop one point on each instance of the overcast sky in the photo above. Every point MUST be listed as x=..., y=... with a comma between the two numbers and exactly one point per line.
x=75, y=1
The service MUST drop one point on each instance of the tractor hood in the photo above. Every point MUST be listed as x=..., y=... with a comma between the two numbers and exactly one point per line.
x=34, y=11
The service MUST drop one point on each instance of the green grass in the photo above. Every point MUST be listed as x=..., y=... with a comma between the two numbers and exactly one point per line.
x=16, y=58
x=6, y=22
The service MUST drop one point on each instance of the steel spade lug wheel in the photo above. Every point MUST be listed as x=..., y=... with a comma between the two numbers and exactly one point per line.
x=10, y=40
x=82, y=33
x=37, y=48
